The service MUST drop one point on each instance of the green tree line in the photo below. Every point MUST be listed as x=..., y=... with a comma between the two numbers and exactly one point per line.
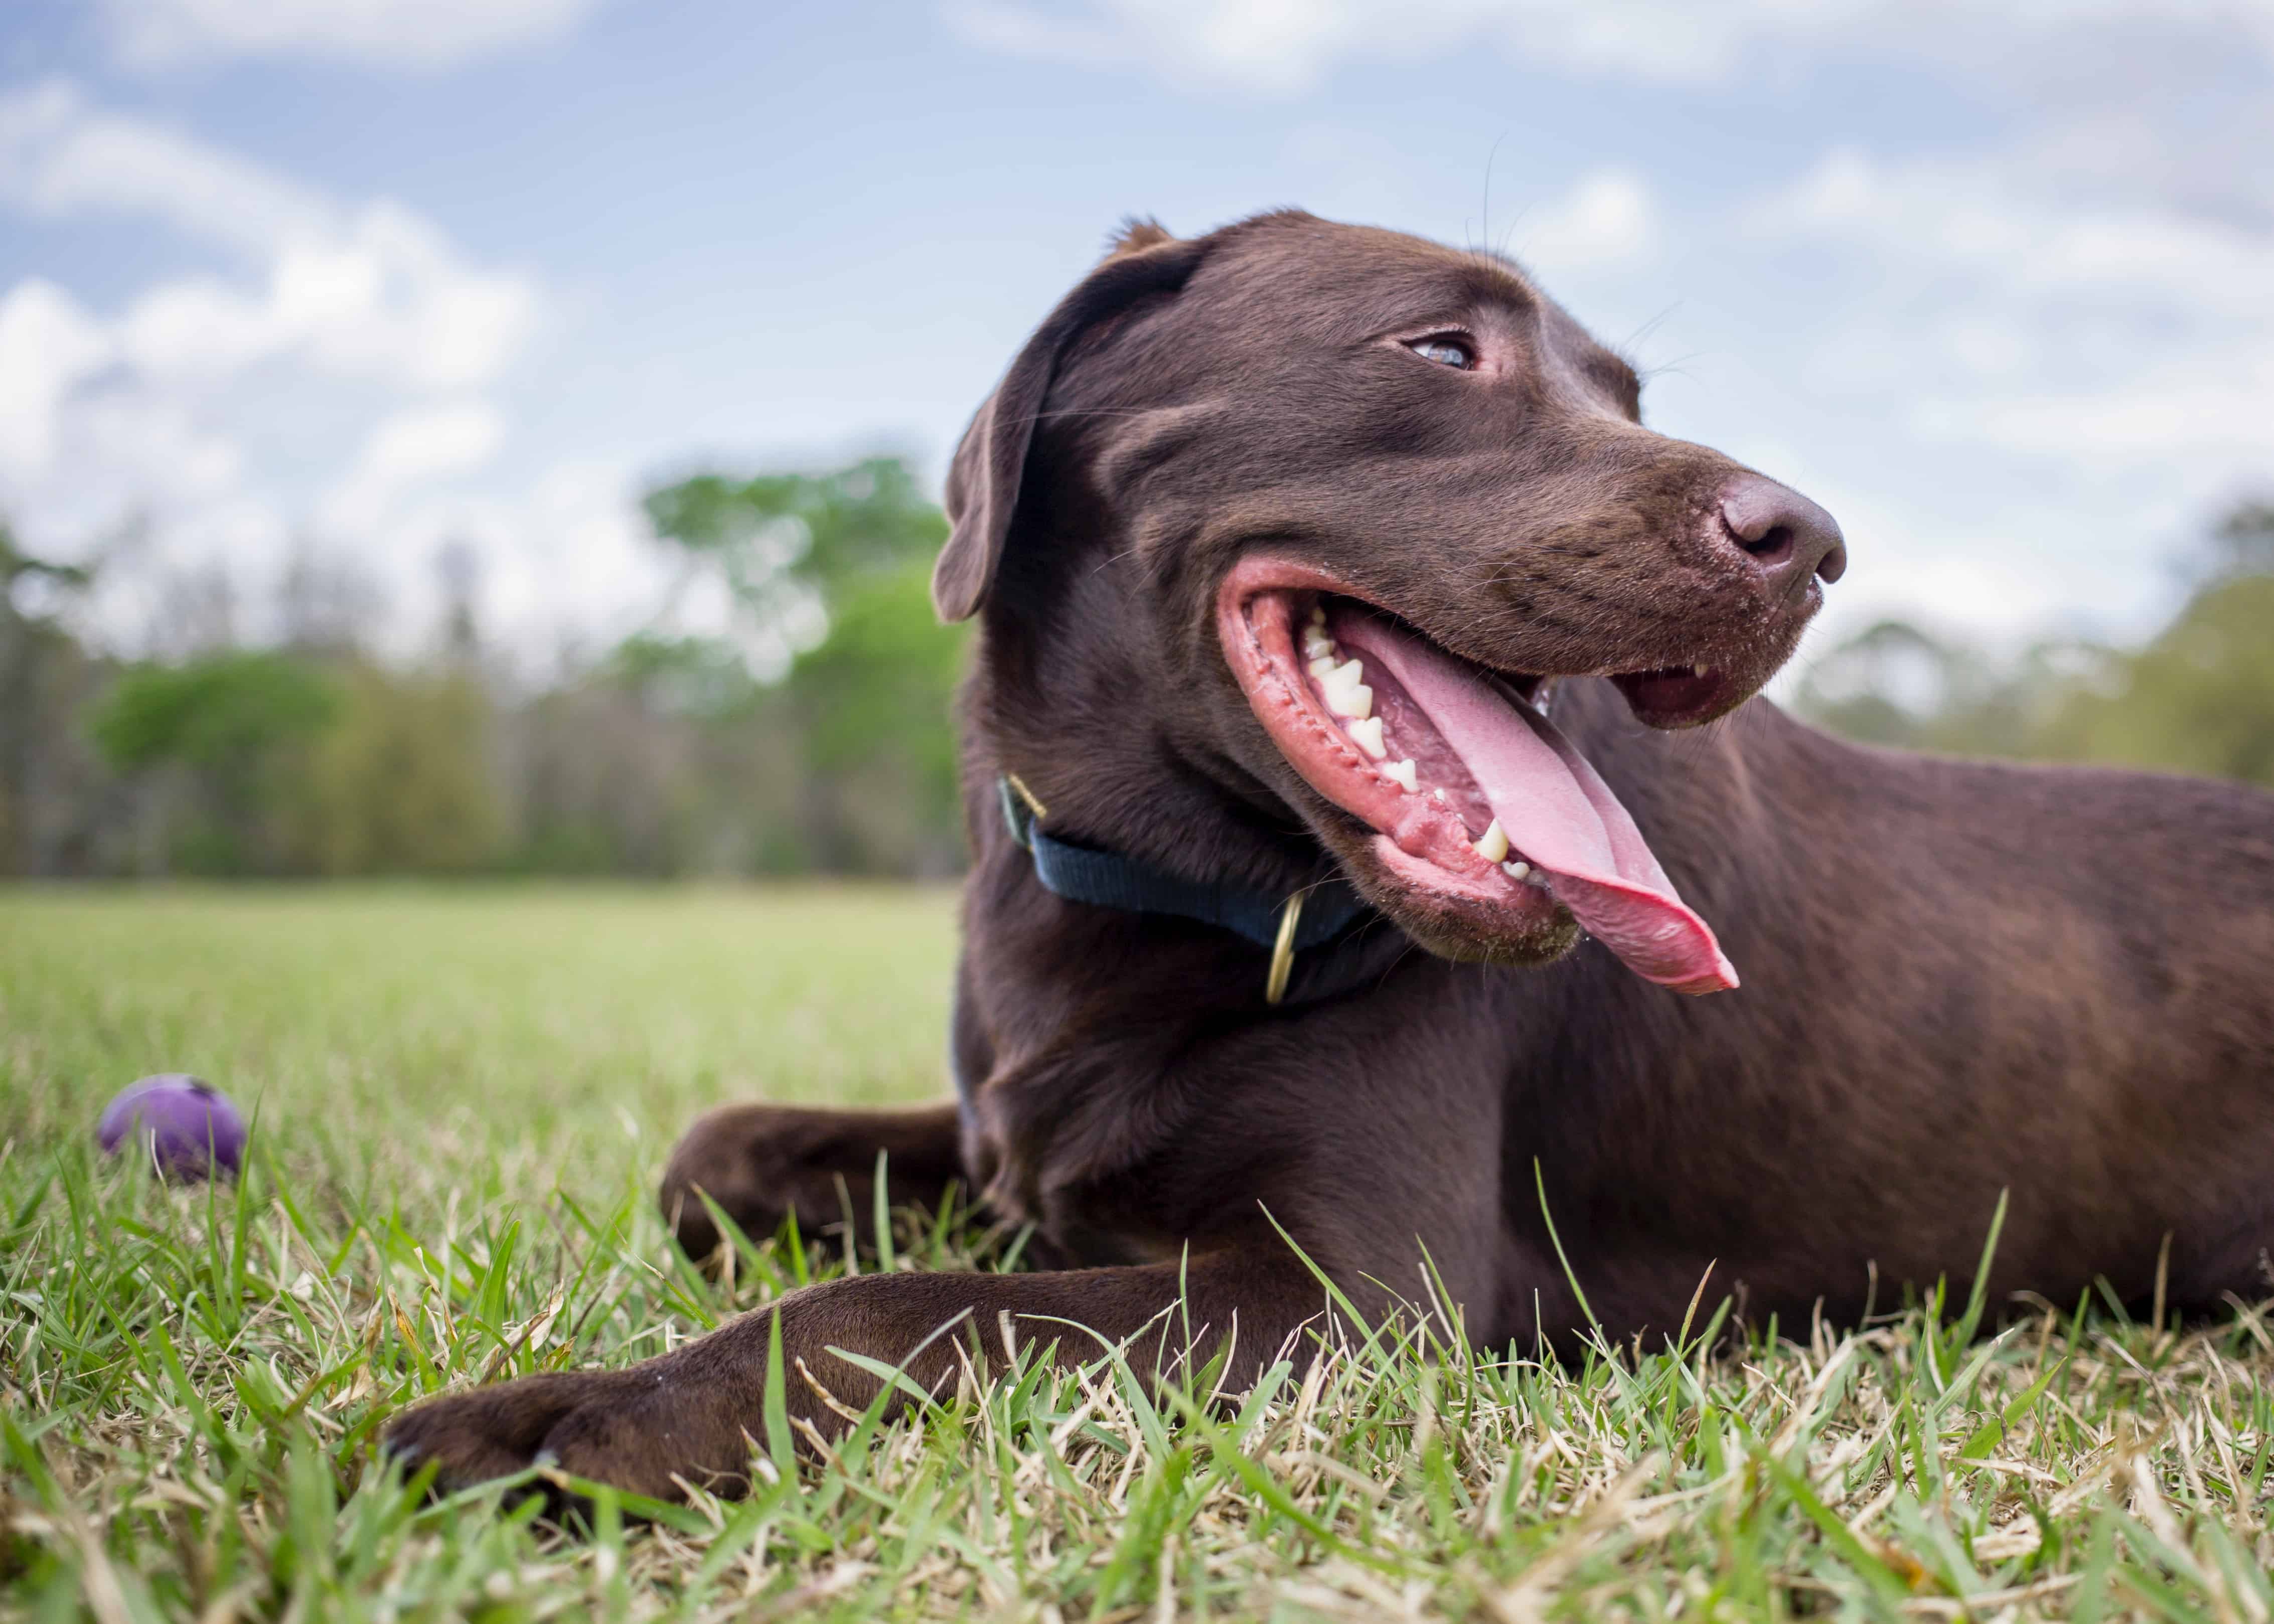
x=2197, y=696
x=815, y=738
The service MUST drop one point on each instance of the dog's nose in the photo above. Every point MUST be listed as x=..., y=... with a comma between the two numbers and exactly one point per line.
x=1789, y=538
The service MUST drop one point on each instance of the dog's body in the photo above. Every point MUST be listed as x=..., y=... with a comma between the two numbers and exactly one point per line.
x=1960, y=980
x=1950, y=993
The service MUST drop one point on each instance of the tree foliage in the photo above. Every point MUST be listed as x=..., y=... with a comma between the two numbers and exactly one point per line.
x=2197, y=697
x=219, y=712
x=812, y=735
x=863, y=705
x=48, y=768
x=817, y=529
x=226, y=731
x=402, y=780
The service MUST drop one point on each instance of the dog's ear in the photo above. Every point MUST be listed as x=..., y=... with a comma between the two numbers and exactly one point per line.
x=1138, y=231
x=983, y=481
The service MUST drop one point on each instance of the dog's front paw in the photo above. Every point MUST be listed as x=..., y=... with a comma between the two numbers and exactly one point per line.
x=632, y=1429
x=492, y=1431
x=760, y=1163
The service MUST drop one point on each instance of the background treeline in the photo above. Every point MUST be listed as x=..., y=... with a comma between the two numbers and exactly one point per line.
x=815, y=737
x=2197, y=696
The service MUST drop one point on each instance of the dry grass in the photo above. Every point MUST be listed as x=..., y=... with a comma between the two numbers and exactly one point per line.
x=464, y=1098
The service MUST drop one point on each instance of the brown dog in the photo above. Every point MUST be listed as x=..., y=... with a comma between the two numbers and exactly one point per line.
x=1283, y=539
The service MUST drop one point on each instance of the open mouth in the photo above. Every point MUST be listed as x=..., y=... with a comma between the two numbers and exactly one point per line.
x=1478, y=805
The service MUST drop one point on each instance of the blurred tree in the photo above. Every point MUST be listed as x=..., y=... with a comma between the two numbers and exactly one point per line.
x=815, y=528
x=2243, y=542
x=229, y=722
x=873, y=706
x=458, y=572
x=2198, y=697
x=601, y=783
x=1898, y=684
x=47, y=781
x=830, y=574
x=17, y=567
x=326, y=603
x=813, y=734
x=400, y=780
x=683, y=676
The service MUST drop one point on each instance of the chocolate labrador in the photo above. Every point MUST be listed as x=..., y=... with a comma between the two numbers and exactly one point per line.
x=1346, y=832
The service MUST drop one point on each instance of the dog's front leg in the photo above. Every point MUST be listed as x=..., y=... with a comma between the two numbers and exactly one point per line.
x=694, y=1413
x=763, y=1163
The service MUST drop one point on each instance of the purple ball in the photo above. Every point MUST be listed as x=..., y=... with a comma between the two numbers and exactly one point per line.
x=184, y=1123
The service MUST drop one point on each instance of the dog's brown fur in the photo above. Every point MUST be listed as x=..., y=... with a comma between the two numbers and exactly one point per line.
x=1960, y=979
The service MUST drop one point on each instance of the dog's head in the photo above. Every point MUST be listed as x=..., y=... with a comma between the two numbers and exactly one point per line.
x=1308, y=517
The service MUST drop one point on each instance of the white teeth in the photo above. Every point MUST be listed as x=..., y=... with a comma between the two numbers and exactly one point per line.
x=1345, y=692
x=1440, y=795
x=1401, y=773
x=1366, y=734
x=1697, y=670
x=1318, y=614
x=1317, y=645
x=1494, y=846
x=1515, y=871
x=1320, y=665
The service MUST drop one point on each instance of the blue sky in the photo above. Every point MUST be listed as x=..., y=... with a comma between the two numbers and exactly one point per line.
x=1993, y=282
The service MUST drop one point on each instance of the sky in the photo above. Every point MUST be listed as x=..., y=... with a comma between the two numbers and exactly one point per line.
x=1995, y=281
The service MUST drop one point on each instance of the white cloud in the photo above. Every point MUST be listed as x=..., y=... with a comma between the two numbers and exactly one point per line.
x=1989, y=221
x=2060, y=381
x=372, y=292
x=59, y=155
x=379, y=296
x=412, y=34
x=2117, y=329
x=337, y=373
x=129, y=450
x=1608, y=220
x=566, y=558
x=1283, y=47
x=48, y=345
x=407, y=450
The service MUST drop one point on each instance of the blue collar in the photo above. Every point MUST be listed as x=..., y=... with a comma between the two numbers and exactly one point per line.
x=1282, y=925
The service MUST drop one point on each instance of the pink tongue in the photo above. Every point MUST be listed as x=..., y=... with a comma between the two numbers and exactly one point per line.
x=1559, y=815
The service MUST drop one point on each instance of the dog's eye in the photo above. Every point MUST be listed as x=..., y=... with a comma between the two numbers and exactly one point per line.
x=1451, y=352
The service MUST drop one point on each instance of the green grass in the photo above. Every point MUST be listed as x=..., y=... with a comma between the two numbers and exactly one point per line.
x=464, y=1097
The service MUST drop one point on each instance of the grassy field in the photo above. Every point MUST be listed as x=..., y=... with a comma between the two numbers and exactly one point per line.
x=463, y=1099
